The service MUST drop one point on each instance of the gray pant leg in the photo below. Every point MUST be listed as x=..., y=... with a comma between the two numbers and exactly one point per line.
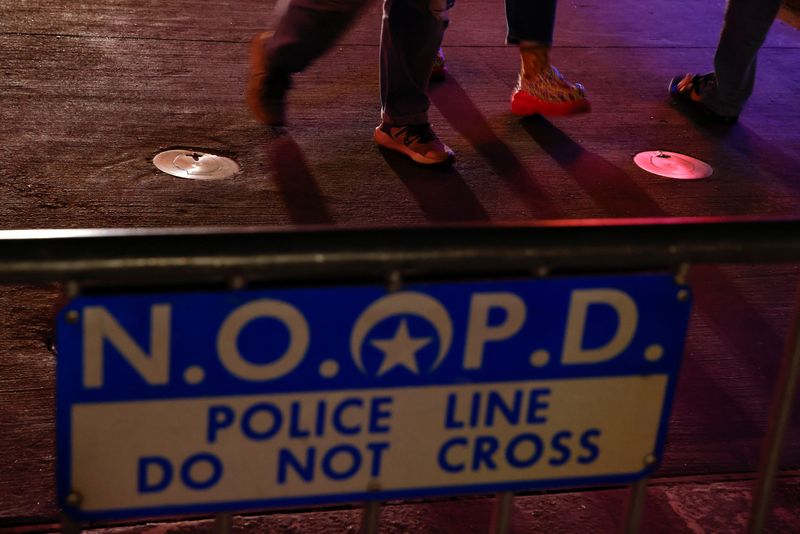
x=307, y=30
x=411, y=34
x=746, y=25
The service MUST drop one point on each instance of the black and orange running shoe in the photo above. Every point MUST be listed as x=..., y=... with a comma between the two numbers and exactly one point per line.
x=417, y=141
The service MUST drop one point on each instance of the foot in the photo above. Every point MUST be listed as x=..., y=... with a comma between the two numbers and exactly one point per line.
x=548, y=93
x=439, y=72
x=266, y=90
x=417, y=141
x=689, y=88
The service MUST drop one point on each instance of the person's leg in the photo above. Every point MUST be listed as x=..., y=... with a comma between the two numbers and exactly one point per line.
x=307, y=30
x=304, y=33
x=530, y=20
x=722, y=93
x=411, y=34
x=744, y=30
x=540, y=87
x=439, y=72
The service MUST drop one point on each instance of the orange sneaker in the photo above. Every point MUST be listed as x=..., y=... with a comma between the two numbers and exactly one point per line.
x=439, y=72
x=548, y=94
x=266, y=91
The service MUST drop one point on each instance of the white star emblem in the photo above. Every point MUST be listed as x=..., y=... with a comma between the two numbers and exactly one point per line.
x=401, y=350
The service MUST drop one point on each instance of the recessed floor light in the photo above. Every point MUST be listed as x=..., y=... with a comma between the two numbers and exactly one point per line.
x=195, y=165
x=672, y=165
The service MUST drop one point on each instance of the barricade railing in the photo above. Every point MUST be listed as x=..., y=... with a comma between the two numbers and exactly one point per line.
x=238, y=257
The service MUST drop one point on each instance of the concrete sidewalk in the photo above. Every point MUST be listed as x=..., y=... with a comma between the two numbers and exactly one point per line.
x=89, y=94
x=90, y=91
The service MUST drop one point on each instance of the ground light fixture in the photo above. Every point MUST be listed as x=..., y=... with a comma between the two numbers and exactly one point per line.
x=672, y=165
x=195, y=164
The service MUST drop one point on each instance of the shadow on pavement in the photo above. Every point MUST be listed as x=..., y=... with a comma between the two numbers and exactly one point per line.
x=440, y=192
x=462, y=114
x=610, y=187
x=301, y=194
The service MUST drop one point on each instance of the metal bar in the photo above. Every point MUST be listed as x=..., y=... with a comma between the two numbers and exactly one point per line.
x=223, y=523
x=780, y=411
x=635, y=506
x=169, y=256
x=370, y=516
x=69, y=525
x=501, y=513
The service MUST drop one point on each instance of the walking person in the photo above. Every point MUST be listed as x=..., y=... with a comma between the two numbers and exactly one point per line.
x=411, y=33
x=722, y=93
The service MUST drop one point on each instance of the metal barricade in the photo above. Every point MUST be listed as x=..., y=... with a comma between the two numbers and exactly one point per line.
x=235, y=257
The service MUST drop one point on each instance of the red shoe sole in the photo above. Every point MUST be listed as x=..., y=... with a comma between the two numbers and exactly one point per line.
x=525, y=104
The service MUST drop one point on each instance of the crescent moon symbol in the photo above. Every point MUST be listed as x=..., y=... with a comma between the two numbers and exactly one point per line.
x=406, y=302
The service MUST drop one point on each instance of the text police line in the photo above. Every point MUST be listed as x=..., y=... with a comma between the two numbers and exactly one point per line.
x=335, y=460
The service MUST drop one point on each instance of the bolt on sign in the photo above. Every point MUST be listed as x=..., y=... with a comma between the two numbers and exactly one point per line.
x=178, y=403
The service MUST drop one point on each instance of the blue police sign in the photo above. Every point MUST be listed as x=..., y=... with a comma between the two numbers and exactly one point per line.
x=197, y=402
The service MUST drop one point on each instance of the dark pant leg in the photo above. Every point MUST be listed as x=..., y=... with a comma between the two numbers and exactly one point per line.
x=746, y=25
x=307, y=30
x=530, y=20
x=411, y=34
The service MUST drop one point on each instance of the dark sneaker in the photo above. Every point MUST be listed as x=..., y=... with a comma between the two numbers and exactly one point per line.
x=439, y=72
x=417, y=141
x=548, y=94
x=688, y=90
x=266, y=90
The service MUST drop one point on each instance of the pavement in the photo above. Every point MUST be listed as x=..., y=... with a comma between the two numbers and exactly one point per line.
x=90, y=92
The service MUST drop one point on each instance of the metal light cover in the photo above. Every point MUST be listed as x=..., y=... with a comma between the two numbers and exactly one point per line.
x=195, y=165
x=672, y=165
